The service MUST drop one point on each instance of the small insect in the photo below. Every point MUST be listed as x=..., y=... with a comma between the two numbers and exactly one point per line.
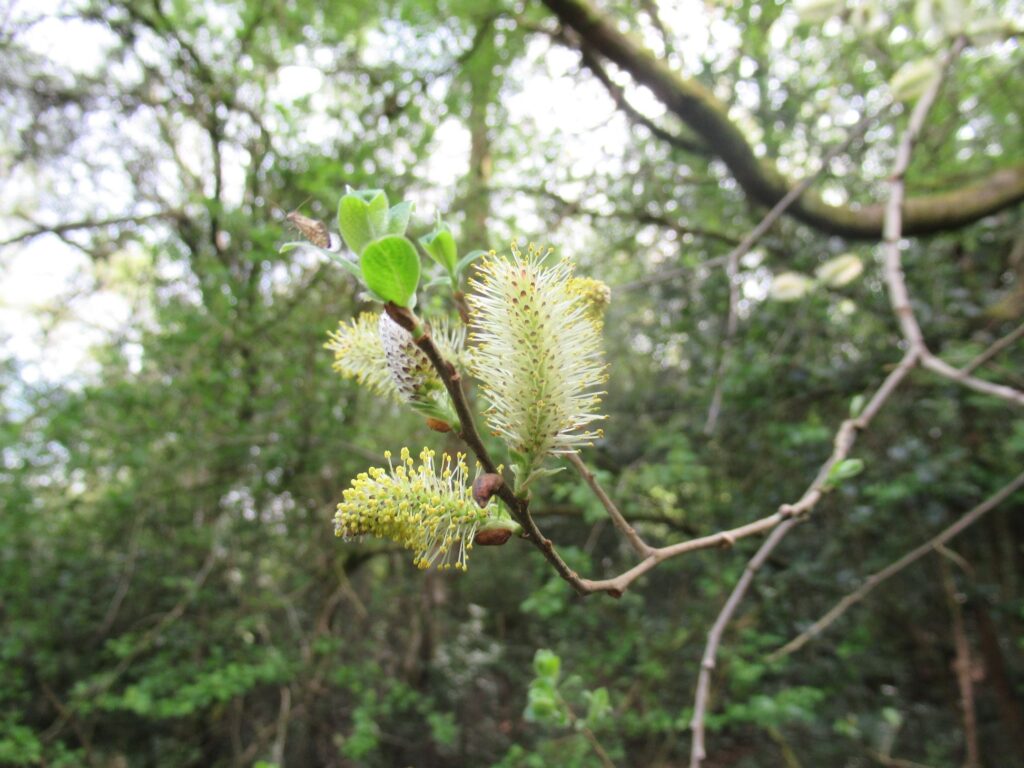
x=313, y=230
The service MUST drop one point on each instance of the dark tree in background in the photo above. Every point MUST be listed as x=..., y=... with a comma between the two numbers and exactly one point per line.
x=175, y=441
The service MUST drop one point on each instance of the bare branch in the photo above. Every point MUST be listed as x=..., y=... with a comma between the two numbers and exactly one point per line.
x=998, y=346
x=843, y=443
x=620, y=522
x=899, y=296
x=944, y=369
x=707, y=663
x=61, y=230
x=697, y=106
x=891, y=570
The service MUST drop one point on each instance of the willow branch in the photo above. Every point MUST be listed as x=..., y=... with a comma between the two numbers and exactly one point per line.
x=707, y=663
x=846, y=437
x=944, y=369
x=709, y=118
x=892, y=569
x=997, y=347
x=893, y=230
x=643, y=549
x=518, y=507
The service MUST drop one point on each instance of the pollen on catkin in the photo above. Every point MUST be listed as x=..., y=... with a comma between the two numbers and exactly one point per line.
x=429, y=510
x=381, y=355
x=538, y=354
x=359, y=354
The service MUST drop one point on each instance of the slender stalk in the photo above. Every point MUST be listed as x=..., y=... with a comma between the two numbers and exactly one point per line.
x=518, y=506
x=962, y=667
x=643, y=549
x=843, y=443
x=998, y=346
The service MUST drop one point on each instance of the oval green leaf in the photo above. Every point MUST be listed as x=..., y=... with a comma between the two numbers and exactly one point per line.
x=391, y=269
x=362, y=217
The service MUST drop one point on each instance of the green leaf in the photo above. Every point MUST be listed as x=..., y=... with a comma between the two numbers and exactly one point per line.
x=440, y=246
x=398, y=218
x=348, y=264
x=598, y=705
x=546, y=664
x=541, y=705
x=391, y=269
x=857, y=405
x=362, y=218
x=377, y=212
x=339, y=258
x=844, y=470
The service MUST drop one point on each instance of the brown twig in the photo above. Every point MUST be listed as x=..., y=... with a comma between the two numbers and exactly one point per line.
x=707, y=663
x=642, y=548
x=518, y=506
x=962, y=667
x=997, y=346
x=892, y=569
x=844, y=440
x=899, y=296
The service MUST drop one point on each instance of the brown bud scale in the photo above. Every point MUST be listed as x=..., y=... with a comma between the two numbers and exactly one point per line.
x=493, y=537
x=485, y=486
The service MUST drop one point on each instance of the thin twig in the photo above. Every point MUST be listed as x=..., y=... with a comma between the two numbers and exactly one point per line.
x=899, y=296
x=61, y=230
x=618, y=95
x=732, y=262
x=588, y=734
x=843, y=443
x=962, y=667
x=707, y=663
x=642, y=548
x=892, y=569
x=998, y=346
x=518, y=507
x=944, y=369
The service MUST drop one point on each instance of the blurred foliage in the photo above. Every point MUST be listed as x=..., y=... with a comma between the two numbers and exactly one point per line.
x=170, y=588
